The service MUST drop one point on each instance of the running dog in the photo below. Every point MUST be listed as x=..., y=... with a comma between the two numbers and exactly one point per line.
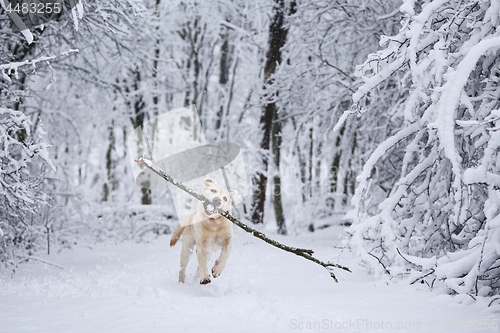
x=208, y=230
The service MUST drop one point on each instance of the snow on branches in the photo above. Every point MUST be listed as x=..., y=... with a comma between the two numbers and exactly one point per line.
x=20, y=191
x=440, y=217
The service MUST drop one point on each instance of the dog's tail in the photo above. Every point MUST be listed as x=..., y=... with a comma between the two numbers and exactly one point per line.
x=176, y=235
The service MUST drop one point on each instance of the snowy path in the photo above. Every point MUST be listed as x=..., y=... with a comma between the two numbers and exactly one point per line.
x=132, y=287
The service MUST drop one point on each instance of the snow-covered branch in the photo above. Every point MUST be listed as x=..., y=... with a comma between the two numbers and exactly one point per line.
x=440, y=216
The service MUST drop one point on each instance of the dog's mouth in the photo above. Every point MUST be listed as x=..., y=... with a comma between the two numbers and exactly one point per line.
x=213, y=207
x=209, y=208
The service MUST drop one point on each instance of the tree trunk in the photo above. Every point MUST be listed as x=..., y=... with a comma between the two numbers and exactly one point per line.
x=108, y=185
x=193, y=34
x=278, y=206
x=277, y=39
x=156, y=82
x=139, y=116
x=223, y=78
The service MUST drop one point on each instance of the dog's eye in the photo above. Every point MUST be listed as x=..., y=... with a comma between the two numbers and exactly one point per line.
x=213, y=191
x=225, y=199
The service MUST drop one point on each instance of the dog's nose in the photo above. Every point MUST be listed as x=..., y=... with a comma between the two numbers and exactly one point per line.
x=217, y=201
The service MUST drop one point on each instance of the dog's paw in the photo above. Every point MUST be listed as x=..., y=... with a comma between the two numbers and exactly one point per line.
x=182, y=277
x=205, y=280
x=217, y=269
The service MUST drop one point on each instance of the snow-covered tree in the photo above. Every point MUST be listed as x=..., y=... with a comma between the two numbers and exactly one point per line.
x=24, y=156
x=42, y=91
x=312, y=87
x=21, y=184
x=428, y=198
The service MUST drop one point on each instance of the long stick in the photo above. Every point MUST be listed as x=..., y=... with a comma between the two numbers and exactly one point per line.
x=304, y=253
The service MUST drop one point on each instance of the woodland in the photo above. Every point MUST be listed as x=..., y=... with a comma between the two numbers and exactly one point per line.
x=385, y=112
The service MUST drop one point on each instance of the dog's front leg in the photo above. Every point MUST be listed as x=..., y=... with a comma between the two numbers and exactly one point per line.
x=201, y=253
x=220, y=263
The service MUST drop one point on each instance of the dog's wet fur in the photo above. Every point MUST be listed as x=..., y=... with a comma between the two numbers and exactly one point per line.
x=208, y=230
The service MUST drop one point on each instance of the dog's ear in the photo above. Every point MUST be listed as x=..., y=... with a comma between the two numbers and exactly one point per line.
x=233, y=193
x=208, y=182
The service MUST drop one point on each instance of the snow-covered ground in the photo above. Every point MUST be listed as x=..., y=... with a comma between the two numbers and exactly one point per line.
x=130, y=287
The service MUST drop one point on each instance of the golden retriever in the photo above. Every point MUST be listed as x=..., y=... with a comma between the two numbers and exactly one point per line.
x=208, y=230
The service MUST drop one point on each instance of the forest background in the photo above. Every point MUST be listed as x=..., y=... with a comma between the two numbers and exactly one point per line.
x=385, y=111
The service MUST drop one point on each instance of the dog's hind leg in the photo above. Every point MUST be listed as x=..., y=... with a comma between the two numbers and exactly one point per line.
x=187, y=249
x=220, y=263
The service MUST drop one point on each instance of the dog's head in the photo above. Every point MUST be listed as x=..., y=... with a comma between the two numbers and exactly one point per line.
x=219, y=196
